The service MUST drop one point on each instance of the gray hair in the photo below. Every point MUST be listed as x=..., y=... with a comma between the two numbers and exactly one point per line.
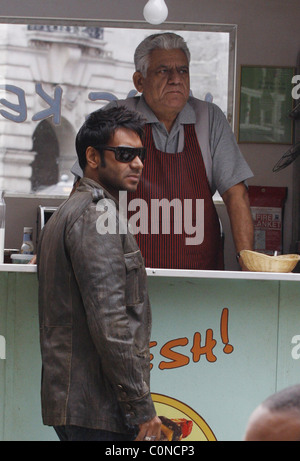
x=165, y=41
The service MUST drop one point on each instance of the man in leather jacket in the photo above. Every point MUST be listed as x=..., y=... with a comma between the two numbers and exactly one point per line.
x=94, y=311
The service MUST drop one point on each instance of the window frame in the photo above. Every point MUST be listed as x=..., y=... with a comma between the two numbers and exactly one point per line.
x=231, y=29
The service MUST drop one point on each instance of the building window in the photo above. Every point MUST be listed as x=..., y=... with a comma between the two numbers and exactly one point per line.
x=45, y=164
x=52, y=77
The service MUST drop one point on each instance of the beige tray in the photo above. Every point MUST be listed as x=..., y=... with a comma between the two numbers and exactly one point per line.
x=259, y=262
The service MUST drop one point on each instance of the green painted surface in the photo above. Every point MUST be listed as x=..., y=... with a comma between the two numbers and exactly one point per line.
x=3, y=302
x=189, y=362
x=289, y=335
x=21, y=370
x=225, y=391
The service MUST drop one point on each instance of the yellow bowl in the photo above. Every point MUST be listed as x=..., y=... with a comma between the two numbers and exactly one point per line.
x=259, y=262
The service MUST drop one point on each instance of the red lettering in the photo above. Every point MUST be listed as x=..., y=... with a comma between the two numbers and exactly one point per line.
x=198, y=350
x=228, y=348
x=178, y=360
x=152, y=344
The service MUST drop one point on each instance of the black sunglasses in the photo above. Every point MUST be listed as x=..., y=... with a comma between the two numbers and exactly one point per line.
x=125, y=154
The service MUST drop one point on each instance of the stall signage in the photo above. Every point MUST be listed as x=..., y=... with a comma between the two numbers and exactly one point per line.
x=198, y=348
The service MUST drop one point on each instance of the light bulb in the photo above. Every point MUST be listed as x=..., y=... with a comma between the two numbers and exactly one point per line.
x=155, y=11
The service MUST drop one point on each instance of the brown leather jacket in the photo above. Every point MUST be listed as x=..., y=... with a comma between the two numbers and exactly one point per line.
x=95, y=319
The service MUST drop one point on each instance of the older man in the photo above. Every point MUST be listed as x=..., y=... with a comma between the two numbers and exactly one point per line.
x=192, y=153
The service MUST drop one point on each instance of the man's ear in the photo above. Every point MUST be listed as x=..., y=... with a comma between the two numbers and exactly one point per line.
x=92, y=157
x=138, y=81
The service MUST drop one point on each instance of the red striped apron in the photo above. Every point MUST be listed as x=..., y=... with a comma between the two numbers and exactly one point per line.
x=178, y=176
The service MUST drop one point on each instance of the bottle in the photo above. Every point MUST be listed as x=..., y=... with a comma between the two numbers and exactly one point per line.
x=2, y=225
x=27, y=245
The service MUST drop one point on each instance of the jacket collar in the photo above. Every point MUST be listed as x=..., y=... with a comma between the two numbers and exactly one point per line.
x=98, y=192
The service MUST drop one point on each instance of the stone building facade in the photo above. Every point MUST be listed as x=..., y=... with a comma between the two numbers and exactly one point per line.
x=51, y=77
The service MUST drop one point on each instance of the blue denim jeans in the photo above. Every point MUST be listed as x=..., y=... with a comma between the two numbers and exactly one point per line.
x=85, y=434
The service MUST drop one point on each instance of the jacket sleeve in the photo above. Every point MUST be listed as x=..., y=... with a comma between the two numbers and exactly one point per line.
x=99, y=267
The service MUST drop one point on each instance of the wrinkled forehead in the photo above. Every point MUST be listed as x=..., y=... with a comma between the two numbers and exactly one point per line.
x=174, y=57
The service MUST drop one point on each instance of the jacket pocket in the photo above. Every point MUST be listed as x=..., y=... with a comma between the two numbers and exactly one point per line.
x=134, y=277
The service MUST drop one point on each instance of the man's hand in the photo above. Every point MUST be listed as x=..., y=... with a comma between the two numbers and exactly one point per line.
x=33, y=260
x=150, y=430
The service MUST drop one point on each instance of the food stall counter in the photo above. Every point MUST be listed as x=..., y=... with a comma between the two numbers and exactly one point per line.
x=222, y=341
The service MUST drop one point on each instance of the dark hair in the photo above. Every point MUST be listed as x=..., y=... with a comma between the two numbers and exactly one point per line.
x=286, y=399
x=101, y=125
